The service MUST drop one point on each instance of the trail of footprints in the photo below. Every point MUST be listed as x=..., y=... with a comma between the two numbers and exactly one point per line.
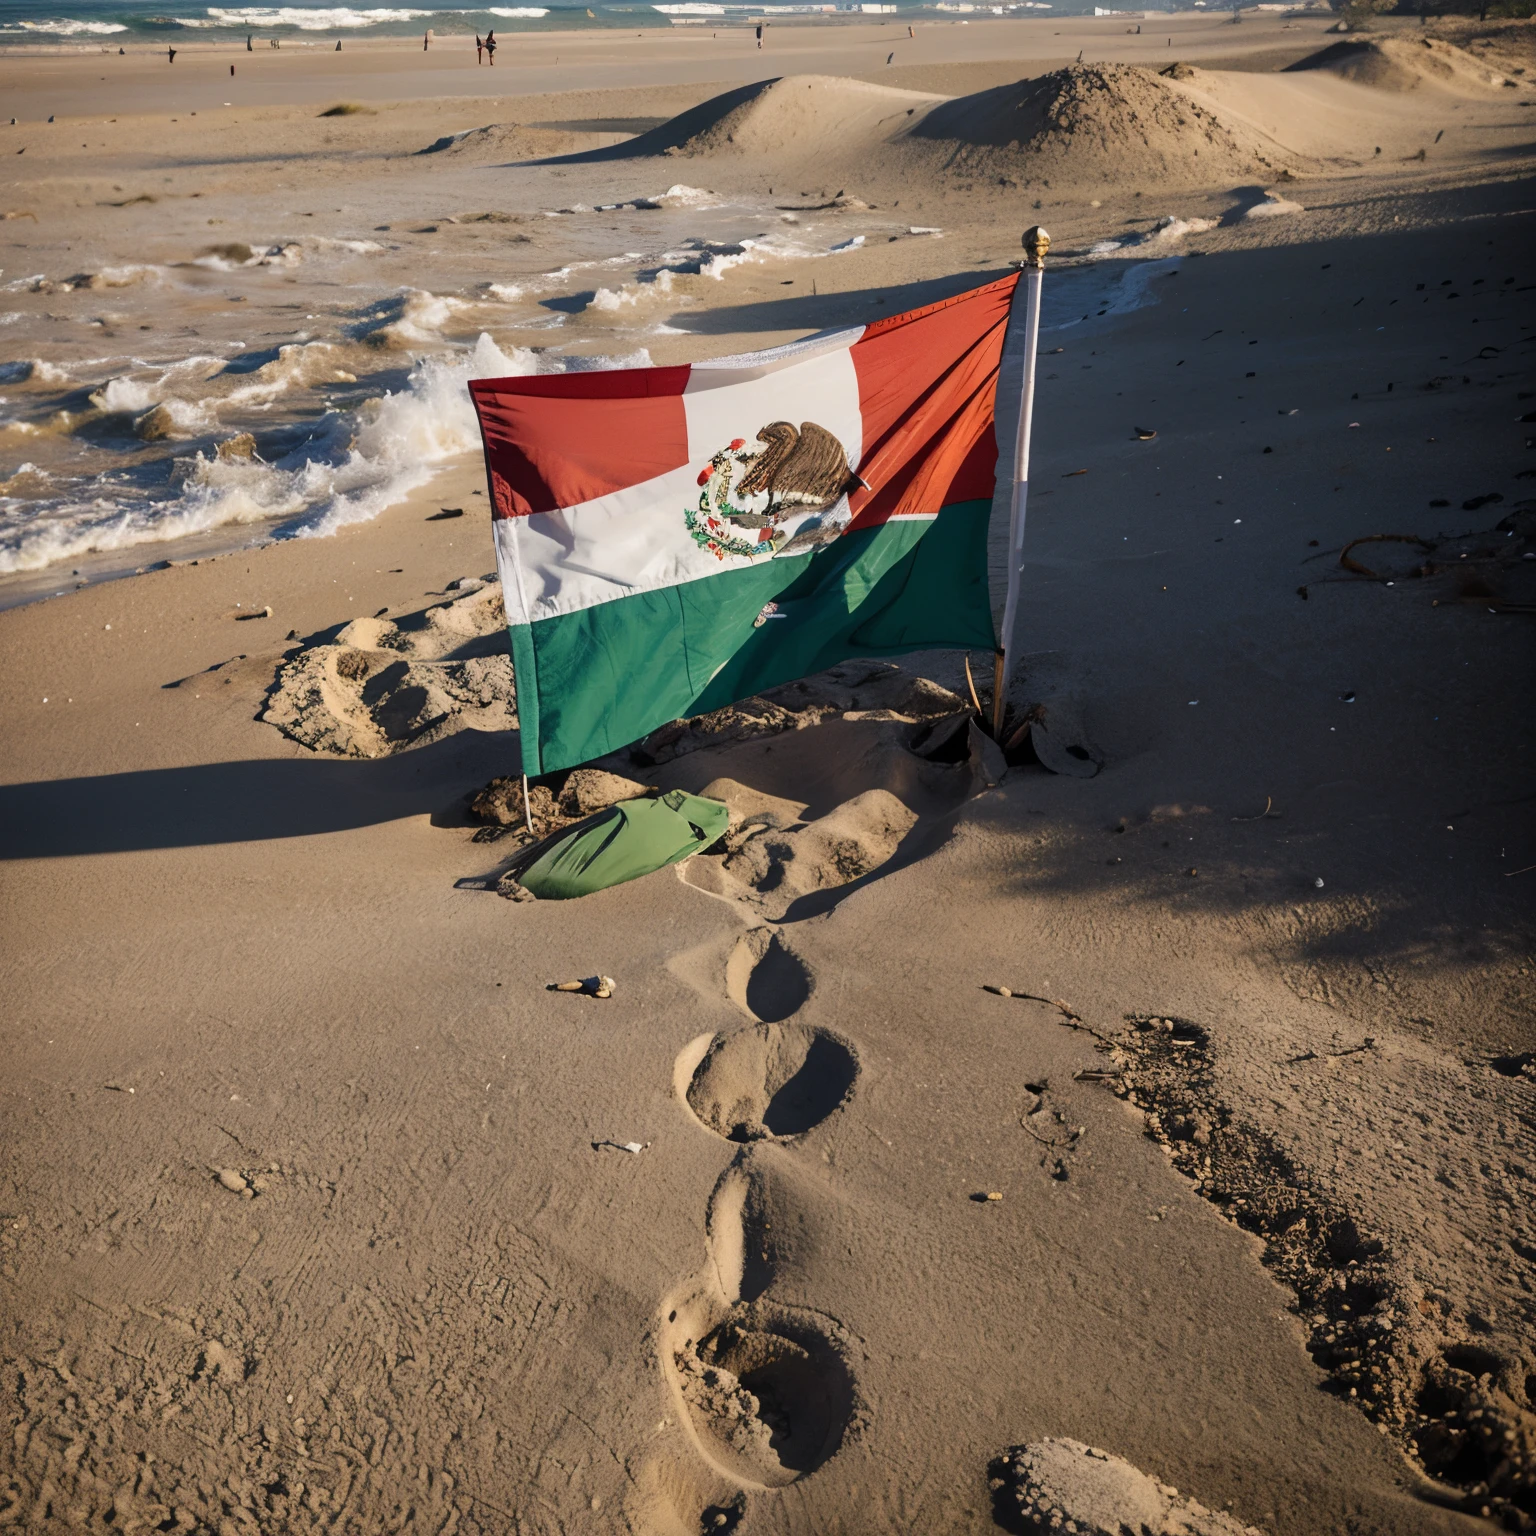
x=766, y=1389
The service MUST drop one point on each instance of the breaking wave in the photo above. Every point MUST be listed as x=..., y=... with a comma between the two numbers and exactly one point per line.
x=64, y=26
x=127, y=394
x=351, y=467
x=704, y=258
x=414, y=317
x=33, y=370
x=305, y=19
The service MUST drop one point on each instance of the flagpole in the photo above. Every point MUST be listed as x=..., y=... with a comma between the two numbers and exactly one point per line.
x=1036, y=244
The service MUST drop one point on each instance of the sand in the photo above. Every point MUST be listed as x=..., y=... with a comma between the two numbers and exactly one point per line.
x=320, y=1211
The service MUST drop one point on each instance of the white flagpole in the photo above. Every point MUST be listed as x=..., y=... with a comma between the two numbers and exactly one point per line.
x=1036, y=244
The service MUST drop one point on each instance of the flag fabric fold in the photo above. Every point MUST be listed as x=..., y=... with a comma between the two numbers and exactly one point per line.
x=671, y=540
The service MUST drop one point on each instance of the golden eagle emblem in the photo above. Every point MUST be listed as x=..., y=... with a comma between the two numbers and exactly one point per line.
x=793, y=493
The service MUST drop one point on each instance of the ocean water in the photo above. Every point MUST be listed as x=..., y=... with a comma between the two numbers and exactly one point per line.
x=115, y=23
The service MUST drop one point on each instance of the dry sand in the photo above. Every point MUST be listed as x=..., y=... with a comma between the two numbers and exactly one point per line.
x=317, y=1211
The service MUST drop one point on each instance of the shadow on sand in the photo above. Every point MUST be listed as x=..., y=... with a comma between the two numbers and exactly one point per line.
x=250, y=801
x=830, y=311
x=671, y=133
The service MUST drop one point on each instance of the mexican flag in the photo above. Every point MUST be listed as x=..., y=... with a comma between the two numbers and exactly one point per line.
x=671, y=540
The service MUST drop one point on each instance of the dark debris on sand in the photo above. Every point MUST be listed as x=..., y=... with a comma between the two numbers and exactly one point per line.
x=1464, y=1413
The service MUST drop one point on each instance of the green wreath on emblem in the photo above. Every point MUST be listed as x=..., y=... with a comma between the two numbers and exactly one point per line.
x=711, y=522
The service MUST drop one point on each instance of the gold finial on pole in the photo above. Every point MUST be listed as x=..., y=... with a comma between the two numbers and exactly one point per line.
x=1037, y=246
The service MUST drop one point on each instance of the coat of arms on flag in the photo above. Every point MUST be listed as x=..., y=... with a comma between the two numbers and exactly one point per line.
x=795, y=483
x=649, y=522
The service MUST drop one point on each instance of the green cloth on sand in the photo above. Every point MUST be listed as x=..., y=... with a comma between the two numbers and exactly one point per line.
x=622, y=843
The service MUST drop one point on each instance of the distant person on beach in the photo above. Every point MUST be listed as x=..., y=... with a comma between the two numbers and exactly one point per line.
x=479, y=49
x=426, y=39
x=170, y=54
x=248, y=43
x=338, y=45
x=490, y=47
x=759, y=34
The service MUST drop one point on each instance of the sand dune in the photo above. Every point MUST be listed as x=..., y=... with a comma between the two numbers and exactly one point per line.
x=1405, y=64
x=1322, y=118
x=796, y=116
x=805, y=110
x=1111, y=124
x=1087, y=125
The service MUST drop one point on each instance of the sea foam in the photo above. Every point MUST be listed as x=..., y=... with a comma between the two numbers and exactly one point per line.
x=304, y=19
x=68, y=27
x=351, y=467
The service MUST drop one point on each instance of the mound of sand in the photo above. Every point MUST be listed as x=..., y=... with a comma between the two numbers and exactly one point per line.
x=514, y=141
x=1059, y=1484
x=381, y=686
x=1110, y=124
x=797, y=117
x=1405, y=64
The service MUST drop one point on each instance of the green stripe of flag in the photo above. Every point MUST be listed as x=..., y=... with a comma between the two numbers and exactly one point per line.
x=593, y=681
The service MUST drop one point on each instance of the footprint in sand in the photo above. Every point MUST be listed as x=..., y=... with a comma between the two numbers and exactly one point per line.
x=769, y=1080
x=765, y=978
x=767, y=1390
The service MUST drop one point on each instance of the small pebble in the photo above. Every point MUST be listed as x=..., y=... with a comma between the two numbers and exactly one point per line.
x=231, y=1180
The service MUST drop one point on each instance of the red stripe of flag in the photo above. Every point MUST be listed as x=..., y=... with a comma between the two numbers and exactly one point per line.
x=927, y=385
x=541, y=454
